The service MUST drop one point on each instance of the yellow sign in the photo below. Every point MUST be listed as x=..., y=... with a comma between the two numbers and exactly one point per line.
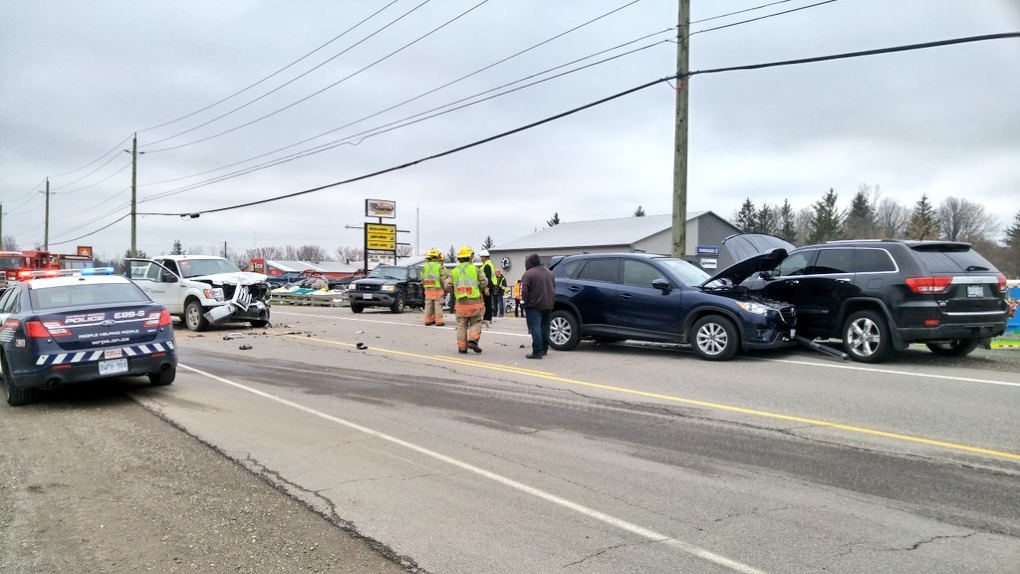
x=379, y=236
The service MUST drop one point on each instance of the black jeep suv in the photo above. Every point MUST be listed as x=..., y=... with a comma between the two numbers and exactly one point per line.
x=392, y=286
x=878, y=296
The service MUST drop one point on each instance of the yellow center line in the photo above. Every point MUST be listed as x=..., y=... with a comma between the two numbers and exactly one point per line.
x=718, y=406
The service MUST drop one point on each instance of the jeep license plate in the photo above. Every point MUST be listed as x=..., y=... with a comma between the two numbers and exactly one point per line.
x=975, y=291
x=367, y=296
x=113, y=367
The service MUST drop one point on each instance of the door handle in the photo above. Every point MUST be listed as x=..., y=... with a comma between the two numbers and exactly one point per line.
x=626, y=296
x=574, y=288
x=793, y=281
x=843, y=280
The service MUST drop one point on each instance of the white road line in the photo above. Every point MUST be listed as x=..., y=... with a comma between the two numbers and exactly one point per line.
x=451, y=323
x=892, y=372
x=589, y=512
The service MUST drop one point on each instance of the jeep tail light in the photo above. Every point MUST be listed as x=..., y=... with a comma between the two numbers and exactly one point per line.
x=40, y=330
x=929, y=285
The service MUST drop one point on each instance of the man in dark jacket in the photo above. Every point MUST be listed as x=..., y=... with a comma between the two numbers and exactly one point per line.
x=538, y=290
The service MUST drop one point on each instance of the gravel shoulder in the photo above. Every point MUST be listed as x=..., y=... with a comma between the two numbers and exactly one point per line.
x=92, y=482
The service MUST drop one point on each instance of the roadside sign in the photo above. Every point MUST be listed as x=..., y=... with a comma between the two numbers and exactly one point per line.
x=380, y=236
x=706, y=250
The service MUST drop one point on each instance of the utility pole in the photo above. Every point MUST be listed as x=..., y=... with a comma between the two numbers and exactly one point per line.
x=134, y=195
x=1, y=226
x=680, y=135
x=46, y=227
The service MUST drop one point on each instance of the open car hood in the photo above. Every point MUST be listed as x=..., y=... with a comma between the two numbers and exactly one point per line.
x=735, y=274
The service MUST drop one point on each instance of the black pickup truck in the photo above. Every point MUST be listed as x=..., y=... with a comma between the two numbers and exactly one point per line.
x=392, y=286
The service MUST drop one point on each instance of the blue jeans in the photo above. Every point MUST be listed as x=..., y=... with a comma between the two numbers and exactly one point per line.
x=538, y=326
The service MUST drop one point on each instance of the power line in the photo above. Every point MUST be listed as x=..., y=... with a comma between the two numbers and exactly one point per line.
x=738, y=12
x=790, y=11
x=274, y=90
x=599, y=102
x=329, y=87
x=241, y=91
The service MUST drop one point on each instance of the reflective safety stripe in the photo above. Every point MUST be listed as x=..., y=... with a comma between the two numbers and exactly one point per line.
x=430, y=275
x=91, y=356
x=465, y=280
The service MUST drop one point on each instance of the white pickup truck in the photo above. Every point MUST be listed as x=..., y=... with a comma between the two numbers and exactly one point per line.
x=203, y=289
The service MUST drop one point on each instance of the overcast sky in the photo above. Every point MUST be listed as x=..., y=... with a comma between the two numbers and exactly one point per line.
x=78, y=78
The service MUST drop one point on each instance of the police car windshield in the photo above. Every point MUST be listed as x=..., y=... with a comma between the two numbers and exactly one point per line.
x=199, y=267
x=85, y=295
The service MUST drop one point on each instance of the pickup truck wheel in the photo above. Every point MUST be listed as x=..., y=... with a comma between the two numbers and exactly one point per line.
x=258, y=324
x=398, y=304
x=194, y=316
x=163, y=377
x=15, y=396
x=355, y=308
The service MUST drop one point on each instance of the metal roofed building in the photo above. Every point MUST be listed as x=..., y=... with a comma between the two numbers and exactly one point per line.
x=650, y=234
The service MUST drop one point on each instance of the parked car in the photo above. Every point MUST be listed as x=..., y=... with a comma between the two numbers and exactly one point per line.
x=609, y=297
x=879, y=296
x=392, y=286
x=285, y=279
x=79, y=326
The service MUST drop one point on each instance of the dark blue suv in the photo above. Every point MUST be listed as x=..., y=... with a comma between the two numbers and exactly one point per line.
x=610, y=297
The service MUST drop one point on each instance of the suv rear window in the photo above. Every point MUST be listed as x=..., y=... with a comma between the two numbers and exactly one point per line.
x=951, y=259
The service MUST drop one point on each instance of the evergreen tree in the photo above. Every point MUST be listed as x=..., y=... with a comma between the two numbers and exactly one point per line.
x=639, y=212
x=826, y=222
x=488, y=243
x=924, y=223
x=451, y=255
x=554, y=221
x=860, y=221
x=767, y=220
x=787, y=222
x=746, y=219
x=178, y=249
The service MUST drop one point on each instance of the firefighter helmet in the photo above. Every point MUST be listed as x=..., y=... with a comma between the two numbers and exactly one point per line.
x=465, y=253
x=435, y=254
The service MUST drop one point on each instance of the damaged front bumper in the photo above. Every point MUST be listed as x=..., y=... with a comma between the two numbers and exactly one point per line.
x=241, y=307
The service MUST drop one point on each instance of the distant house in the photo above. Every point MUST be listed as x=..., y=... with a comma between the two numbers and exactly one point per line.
x=651, y=234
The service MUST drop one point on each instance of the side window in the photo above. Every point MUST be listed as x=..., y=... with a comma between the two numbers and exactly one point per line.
x=414, y=274
x=573, y=268
x=831, y=261
x=798, y=263
x=171, y=265
x=602, y=270
x=8, y=302
x=639, y=273
x=873, y=260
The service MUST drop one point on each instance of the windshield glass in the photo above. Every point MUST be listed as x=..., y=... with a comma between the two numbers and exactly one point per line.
x=198, y=267
x=389, y=272
x=687, y=274
x=11, y=262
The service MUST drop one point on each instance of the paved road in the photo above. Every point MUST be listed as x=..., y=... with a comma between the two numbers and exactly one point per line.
x=625, y=458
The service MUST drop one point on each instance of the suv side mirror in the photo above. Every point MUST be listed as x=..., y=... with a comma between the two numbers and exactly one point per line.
x=662, y=285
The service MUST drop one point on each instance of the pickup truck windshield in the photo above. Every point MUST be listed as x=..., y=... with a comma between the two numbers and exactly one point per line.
x=199, y=267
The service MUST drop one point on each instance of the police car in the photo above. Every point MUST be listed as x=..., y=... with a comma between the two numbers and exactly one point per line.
x=61, y=327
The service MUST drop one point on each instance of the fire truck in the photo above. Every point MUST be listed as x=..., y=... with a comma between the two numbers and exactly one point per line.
x=15, y=265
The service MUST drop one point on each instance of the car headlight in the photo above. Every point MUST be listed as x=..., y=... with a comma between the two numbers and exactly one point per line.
x=213, y=293
x=388, y=288
x=755, y=308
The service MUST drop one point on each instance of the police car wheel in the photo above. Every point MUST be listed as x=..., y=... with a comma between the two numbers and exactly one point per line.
x=163, y=377
x=15, y=396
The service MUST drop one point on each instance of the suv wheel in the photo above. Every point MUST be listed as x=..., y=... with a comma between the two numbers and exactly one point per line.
x=866, y=337
x=714, y=338
x=564, y=332
x=355, y=308
x=958, y=348
x=398, y=304
x=194, y=316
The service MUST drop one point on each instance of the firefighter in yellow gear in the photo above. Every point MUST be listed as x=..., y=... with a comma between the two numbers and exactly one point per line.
x=433, y=278
x=467, y=286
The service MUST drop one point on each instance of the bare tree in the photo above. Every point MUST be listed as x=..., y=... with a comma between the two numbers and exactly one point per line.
x=965, y=220
x=802, y=223
x=891, y=218
x=348, y=254
x=271, y=252
x=9, y=243
x=404, y=250
x=311, y=253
